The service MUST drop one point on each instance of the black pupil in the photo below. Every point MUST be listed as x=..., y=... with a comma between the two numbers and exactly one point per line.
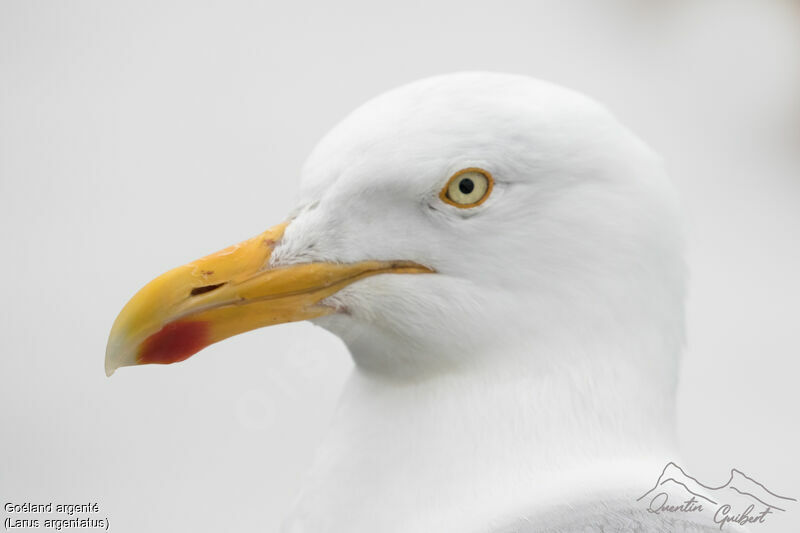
x=466, y=186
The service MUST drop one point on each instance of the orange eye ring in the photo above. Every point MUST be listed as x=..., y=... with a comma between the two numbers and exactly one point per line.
x=469, y=187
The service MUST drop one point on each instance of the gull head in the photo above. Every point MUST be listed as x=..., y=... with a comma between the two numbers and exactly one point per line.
x=440, y=225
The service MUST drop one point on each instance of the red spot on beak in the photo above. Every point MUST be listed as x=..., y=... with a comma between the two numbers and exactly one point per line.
x=175, y=342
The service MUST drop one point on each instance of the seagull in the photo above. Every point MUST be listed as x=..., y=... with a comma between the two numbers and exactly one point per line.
x=504, y=261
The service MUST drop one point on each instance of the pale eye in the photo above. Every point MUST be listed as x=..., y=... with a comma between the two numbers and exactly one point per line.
x=467, y=188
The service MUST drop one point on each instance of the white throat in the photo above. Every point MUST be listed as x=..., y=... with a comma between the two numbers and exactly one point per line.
x=481, y=447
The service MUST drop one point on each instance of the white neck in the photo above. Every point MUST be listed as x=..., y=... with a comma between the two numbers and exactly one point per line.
x=473, y=448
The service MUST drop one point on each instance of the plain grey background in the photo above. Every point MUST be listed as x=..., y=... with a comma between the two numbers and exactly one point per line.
x=135, y=136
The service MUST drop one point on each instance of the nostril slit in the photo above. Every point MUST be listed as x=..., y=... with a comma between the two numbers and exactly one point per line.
x=205, y=289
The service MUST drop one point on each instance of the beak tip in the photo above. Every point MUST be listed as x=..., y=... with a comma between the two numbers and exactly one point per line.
x=115, y=356
x=110, y=364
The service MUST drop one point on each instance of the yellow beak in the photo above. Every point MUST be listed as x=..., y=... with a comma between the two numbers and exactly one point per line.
x=230, y=292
